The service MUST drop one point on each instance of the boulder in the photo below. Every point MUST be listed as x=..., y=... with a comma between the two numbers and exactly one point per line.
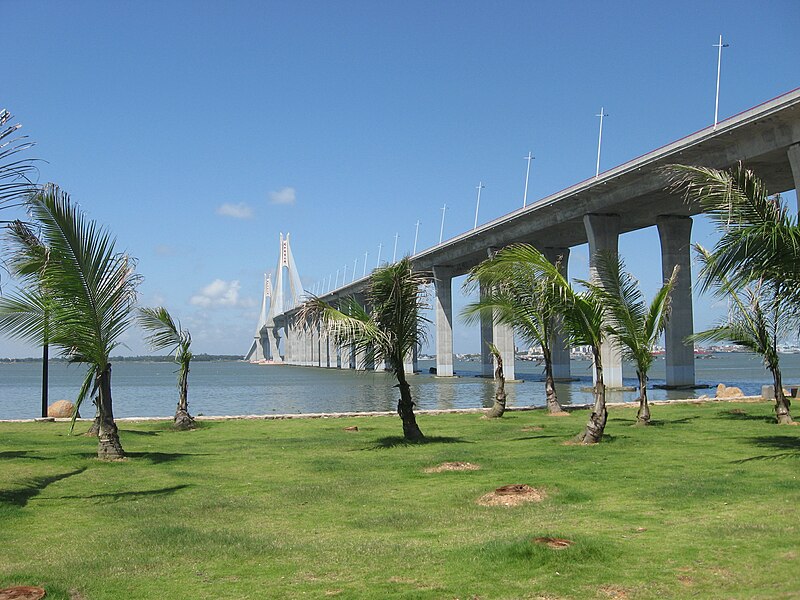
x=724, y=391
x=61, y=409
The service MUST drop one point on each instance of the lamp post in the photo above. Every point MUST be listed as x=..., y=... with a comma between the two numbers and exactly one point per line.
x=720, y=46
x=441, y=229
x=478, y=205
x=529, y=158
x=599, y=141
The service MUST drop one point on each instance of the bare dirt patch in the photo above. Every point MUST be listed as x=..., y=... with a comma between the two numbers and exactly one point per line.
x=452, y=466
x=352, y=428
x=561, y=413
x=554, y=543
x=512, y=495
x=22, y=592
x=614, y=591
x=532, y=428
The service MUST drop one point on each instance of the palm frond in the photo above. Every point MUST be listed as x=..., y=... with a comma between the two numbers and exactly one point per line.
x=164, y=333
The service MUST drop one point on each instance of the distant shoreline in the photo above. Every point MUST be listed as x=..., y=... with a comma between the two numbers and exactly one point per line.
x=155, y=358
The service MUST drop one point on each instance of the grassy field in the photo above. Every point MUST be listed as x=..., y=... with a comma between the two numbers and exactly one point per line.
x=704, y=504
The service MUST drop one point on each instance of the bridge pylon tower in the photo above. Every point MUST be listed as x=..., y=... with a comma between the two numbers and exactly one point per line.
x=285, y=295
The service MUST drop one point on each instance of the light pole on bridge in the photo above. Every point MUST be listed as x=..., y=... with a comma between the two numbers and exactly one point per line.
x=441, y=229
x=720, y=46
x=599, y=140
x=416, y=235
x=479, y=187
x=529, y=158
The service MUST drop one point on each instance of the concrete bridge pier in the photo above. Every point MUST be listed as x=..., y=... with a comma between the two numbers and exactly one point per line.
x=603, y=234
x=675, y=234
x=559, y=347
x=487, y=337
x=272, y=340
x=502, y=336
x=443, y=284
x=794, y=161
x=410, y=362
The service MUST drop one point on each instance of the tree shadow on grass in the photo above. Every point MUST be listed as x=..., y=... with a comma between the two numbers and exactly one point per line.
x=131, y=494
x=22, y=495
x=536, y=437
x=394, y=441
x=137, y=432
x=20, y=454
x=737, y=414
x=788, y=443
x=160, y=457
x=669, y=422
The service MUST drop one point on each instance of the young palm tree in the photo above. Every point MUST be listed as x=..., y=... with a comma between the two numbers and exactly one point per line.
x=759, y=239
x=392, y=328
x=583, y=323
x=93, y=291
x=756, y=321
x=634, y=326
x=164, y=333
x=518, y=295
x=757, y=255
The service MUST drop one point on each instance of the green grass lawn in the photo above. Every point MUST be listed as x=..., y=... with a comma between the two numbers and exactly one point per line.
x=704, y=504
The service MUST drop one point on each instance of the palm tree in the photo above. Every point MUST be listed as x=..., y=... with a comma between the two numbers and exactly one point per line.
x=760, y=240
x=634, y=326
x=93, y=291
x=15, y=172
x=756, y=321
x=757, y=256
x=518, y=295
x=164, y=333
x=392, y=328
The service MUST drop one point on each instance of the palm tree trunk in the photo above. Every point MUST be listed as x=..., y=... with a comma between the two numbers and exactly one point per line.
x=109, y=447
x=782, y=403
x=94, y=430
x=593, y=432
x=405, y=408
x=553, y=405
x=45, y=372
x=183, y=420
x=499, y=406
x=643, y=416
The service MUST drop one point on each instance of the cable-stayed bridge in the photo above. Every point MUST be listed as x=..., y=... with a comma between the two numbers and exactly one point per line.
x=631, y=196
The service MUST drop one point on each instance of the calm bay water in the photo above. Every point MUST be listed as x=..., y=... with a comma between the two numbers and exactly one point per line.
x=237, y=388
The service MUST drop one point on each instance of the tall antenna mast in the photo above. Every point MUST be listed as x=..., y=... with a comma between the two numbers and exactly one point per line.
x=599, y=140
x=479, y=187
x=720, y=46
x=529, y=158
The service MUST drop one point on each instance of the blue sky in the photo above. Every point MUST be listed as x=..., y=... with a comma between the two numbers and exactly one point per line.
x=198, y=131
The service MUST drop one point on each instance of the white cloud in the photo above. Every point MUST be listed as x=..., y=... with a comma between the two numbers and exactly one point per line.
x=218, y=293
x=237, y=211
x=285, y=195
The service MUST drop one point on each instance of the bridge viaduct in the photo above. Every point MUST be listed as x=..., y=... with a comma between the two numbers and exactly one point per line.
x=596, y=211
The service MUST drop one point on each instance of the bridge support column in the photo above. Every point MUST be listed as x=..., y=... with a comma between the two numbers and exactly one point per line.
x=559, y=347
x=272, y=340
x=487, y=337
x=443, y=282
x=794, y=160
x=288, y=341
x=410, y=362
x=603, y=234
x=502, y=336
x=359, y=359
x=675, y=233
